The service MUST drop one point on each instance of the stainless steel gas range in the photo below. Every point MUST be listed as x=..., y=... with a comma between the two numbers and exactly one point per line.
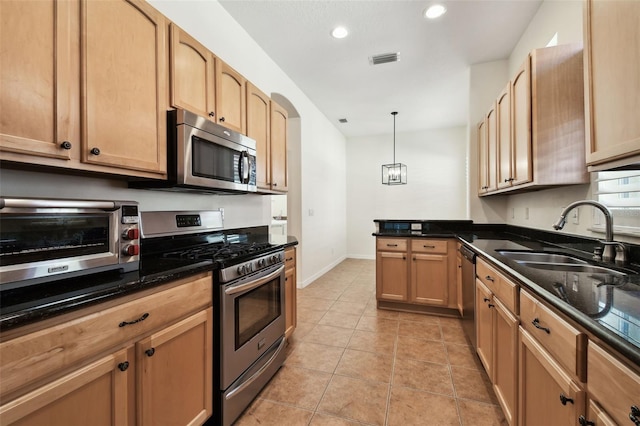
x=248, y=299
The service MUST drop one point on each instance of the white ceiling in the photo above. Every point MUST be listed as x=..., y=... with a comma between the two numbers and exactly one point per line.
x=429, y=86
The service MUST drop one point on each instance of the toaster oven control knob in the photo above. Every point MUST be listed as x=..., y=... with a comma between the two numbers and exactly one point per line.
x=131, y=234
x=131, y=250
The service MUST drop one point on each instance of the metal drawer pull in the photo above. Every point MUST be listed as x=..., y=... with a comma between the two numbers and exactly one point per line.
x=486, y=300
x=490, y=305
x=634, y=415
x=584, y=422
x=429, y=246
x=564, y=399
x=150, y=351
x=489, y=278
x=536, y=324
x=392, y=245
x=123, y=366
x=142, y=318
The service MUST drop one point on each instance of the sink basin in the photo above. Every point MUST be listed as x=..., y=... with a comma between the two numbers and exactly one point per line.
x=534, y=256
x=573, y=267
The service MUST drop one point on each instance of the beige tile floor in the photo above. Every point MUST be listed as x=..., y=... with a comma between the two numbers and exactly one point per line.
x=352, y=364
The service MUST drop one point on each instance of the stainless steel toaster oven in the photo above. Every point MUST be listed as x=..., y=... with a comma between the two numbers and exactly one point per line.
x=47, y=239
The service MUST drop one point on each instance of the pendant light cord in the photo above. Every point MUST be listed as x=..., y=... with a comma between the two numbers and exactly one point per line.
x=394, y=136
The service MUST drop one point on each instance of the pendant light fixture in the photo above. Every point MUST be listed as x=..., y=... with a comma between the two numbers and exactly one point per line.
x=395, y=173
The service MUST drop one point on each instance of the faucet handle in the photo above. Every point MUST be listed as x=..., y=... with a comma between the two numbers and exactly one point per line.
x=597, y=254
x=615, y=250
x=621, y=254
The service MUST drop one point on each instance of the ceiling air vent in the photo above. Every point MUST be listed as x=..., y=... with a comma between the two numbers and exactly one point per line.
x=342, y=120
x=384, y=58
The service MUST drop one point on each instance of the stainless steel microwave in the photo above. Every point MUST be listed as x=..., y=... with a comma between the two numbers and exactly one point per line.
x=204, y=156
x=45, y=240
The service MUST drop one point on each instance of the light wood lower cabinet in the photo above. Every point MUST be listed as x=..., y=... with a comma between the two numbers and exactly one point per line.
x=147, y=361
x=429, y=272
x=548, y=395
x=391, y=276
x=290, y=291
x=484, y=326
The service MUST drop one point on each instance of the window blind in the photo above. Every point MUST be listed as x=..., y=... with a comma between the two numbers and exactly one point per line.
x=620, y=192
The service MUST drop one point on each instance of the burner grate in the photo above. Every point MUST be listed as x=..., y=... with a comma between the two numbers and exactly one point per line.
x=220, y=252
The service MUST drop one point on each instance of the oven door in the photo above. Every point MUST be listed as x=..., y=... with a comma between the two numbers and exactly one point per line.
x=211, y=161
x=252, y=320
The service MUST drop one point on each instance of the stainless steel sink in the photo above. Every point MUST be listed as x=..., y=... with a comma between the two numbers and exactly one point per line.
x=573, y=267
x=535, y=256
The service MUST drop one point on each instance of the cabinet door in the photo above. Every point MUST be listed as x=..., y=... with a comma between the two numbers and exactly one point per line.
x=522, y=171
x=230, y=97
x=492, y=149
x=124, y=88
x=290, y=300
x=503, y=116
x=175, y=377
x=612, y=83
x=192, y=74
x=429, y=279
x=259, y=129
x=459, y=281
x=505, y=360
x=97, y=394
x=279, y=176
x=391, y=276
x=484, y=327
x=38, y=77
x=483, y=158
x=547, y=395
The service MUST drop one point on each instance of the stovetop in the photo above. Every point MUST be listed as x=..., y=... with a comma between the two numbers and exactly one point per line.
x=223, y=253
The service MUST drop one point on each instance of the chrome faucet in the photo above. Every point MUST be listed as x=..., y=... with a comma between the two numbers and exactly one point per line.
x=610, y=247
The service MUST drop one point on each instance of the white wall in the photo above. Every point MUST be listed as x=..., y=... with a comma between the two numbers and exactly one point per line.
x=322, y=149
x=435, y=189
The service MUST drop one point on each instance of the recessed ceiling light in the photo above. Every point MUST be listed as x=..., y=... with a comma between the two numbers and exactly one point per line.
x=435, y=11
x=339, y=32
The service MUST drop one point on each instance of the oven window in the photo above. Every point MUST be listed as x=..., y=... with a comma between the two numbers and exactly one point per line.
x=210, y=160
x=32, y=238
x=255, y=310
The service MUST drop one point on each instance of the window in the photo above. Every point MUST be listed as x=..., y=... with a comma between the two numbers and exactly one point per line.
x=620, y=191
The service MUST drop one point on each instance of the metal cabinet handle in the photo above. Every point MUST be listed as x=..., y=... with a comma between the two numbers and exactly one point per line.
x=211, y=114
x=222, y=119
x=491, y=305
x=142, y=318
x=123, y=366
x=66, y=145
x=95, y=151
x=536, y=324
x=564, y=399
x=392, y=245
x=150, y=351
x=584, y=422
x=489, y=278
x=429, y=246
x=486, y=300
x=634, y=415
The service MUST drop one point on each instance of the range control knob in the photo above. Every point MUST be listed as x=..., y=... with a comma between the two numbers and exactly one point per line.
x=262, y=263
x=131, y=250
x=242, y=269
x=250, y=267
x=131, y=234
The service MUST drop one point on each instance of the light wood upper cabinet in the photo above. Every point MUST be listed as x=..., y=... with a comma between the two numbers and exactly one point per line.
x=192, y=74
x=230, y=97
x=545, y=125
x=492, y=149
x=483, y=159
x=39, y=77
x=279, y=171
x=521, y=155
x=124, y=91
x=259, y=129
x=503, y=115
x=612, y=82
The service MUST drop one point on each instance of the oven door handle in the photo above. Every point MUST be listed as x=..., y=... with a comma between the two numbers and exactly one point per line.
x=243, y=288
x=257, y=373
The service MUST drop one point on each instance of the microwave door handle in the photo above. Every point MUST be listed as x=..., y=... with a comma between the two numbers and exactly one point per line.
x=245, y=167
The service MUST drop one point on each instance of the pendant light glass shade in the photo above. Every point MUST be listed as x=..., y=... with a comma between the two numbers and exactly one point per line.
x=395, y=173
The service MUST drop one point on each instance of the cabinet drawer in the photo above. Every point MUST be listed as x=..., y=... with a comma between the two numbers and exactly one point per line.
x=612, y=384
x=563, y=341
x=289, y=258
x=30, y=357
x=391, y=244
x=502, y=287
x=429, y=246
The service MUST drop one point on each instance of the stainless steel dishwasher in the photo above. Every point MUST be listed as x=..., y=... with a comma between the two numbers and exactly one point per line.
x=468, y=293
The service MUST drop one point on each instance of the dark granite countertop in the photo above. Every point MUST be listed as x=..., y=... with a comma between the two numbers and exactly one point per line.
x=26, y=305
x=608, y=308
